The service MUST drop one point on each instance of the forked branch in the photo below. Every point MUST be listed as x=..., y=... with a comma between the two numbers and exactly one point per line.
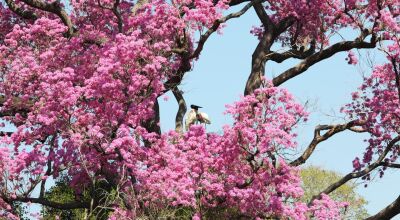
x=322, y=55
x=330, y=131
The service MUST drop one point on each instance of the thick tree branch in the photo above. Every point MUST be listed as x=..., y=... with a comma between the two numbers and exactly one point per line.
x=51, y=204
x=181, y=110
x=237, y=2
x=54, y=8
x=318, y=138
x=396, y=75
x=264, y=18
x=153, y=124
x=19, y=11
x=49, y=170
x=388, y=212
x=261, y=53
x=285, y=23
x=293, y=53
x=258, y=63
x=361, y=173
x=391, y=165
x=117, y=14
x=177, y=78
x=317, y=57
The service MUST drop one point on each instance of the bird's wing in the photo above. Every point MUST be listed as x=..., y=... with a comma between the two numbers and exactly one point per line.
x=204, y=118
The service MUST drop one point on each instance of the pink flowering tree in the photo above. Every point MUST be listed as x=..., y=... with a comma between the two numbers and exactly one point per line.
x=80, y=82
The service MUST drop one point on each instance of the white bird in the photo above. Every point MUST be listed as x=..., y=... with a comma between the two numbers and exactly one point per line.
x=194, y=116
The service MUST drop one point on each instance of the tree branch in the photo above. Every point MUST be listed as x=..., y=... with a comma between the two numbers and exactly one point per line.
x=237, y=2
x=181, y=110
x=115, y=11
x=54, y=8
x=216, y=25
x=396, y=73
x=285, y=23
x=48, y=171
x=318, y=138
x=388, y=212
x=263, y=16
x=258, y=63
x=177, y=78
x=117, y=14
x=153, y=123
x=389, y=164
x=293, y=53
x=361, y=173
x=317, y=57
x=21, y=12
x=51, y=204
x=261, y=53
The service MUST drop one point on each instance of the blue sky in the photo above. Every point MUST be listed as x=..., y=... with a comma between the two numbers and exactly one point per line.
x=219, y=77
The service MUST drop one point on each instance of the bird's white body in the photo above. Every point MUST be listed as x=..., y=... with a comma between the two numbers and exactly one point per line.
x=192, y=118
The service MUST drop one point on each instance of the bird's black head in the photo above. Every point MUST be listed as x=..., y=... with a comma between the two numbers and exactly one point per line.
x=195, y=107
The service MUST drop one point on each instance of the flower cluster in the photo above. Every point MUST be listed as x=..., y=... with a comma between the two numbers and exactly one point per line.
x=377, y=103
x=242, y=168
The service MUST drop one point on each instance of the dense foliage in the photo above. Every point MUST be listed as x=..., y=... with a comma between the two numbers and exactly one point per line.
x=80, y=82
